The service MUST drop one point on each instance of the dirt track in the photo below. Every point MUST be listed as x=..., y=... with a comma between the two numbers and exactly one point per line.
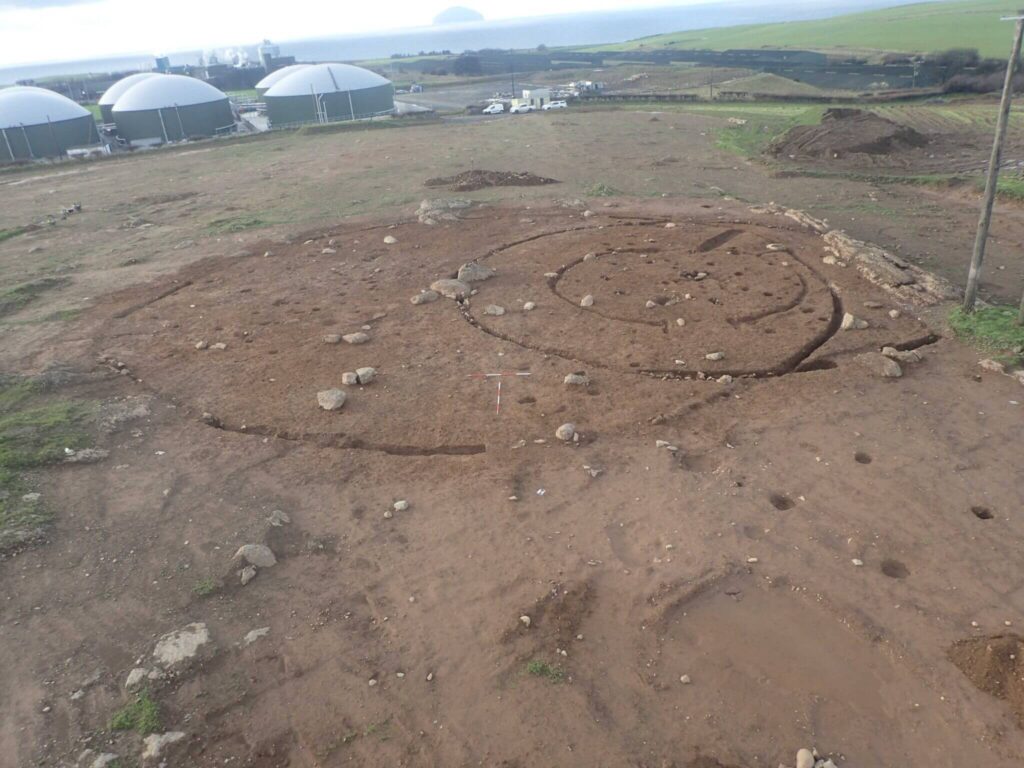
x=729, y=560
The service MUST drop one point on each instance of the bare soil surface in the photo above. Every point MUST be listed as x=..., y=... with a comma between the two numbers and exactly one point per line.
x=994, y=664
x=470, y=181
x=848, y=132
x=798, y=542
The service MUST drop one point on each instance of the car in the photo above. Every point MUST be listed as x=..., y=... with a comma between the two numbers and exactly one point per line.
x=519, y=109
x=494, y=109
x=555, y=105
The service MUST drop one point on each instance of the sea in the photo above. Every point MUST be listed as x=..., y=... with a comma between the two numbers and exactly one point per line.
x=589, y=28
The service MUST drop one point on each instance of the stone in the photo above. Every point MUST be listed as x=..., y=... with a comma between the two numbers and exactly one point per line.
x=714, y=356
x=805, y=759
x=587, y=301
x=529, y=306
x=155, y=743
x=475, y=272
x=651, y=304
x=181, y=645
x=894, y=314
x=136, y=678
x=401, y=506
x=873, y=305
x=494, y=310
x=254, y=635
x=259, y=555
x=219, y=345
x=670, y=225
x=366, y=374
x=566, y=432
x=85, y=455
x=685, y=680
x=390, y=239
x=577, y=379
x=278, y=518
x=726, y=379
x=852, y=323
x=104, y=760
x=328, y=251
x=680, y=322
x=992, y=366
x=350, y=378
x=525, y=621
x=451, y=289
x=201, y=345
x=331, y=399
x=902, y=356
x=880, y=365
x=247, y=574
x=332, y=338
x=425, y=297
x=359, y=337
x=587, y=214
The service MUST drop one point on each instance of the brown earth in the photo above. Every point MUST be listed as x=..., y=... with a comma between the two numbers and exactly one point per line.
x=469, y=181
x=996, y=665
x=729, y=560
x=846, y=132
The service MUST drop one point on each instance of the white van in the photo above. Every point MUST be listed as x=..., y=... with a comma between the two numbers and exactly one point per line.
x=494, y=109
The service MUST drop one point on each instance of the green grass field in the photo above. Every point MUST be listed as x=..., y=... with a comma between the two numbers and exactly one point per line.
x=918, y=28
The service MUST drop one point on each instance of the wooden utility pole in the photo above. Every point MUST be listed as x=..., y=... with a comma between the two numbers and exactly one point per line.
x=973, y=276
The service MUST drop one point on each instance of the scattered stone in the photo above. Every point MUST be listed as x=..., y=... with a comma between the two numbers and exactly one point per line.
x=894, y=314
x=670, y=225
x=247, y=574
x=851, y=323
x=350, y=378
x=805, y=759
x=525, y=621
x=685, y=680
x=85, y=455
x=332, y=338
x=902, y=356
x=259, y=555
x=873, y=305
x=577, y=379
x=331, y=399
x=390, y=239
x=475, y=272
x=76, y=695
x=425, y=297
x=328, y=251
x=451, y=289
x=661, y=443
x=566, y=432
x=201, y=345
x=726, y=379
x=154, y=743
x=254, y=635
x=587, y=301
x=714, y=356
x=104, y=760
x=651, y=304
x=680, y=322
x=401, y=506
x=388, y=514
x=992, y=366
x=135, y=678
x=359, y=337
x=366, y=375
x=494, y=310
x=857, y=562
x=219, y=345
x=181, y=645
x=880, y=365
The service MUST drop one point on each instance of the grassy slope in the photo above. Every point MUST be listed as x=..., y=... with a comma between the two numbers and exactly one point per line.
x=922, y=27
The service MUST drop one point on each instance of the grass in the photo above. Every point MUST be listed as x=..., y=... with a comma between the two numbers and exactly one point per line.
x=204, y=587
x=917, y=28
x=232, y=224
x=141, y=715
x=7, y=234
x=1009, y=188
x=601, y=190
x=764, y=123
x=33, y=434
x=550, y=672
x=16, y=298
x=991, y=328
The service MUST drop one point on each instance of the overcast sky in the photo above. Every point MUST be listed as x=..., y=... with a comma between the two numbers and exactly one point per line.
x=33, y=31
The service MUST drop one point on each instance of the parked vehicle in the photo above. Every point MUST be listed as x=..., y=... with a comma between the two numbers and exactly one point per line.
x=520, y=109
x=494, y=109
x=555, y=105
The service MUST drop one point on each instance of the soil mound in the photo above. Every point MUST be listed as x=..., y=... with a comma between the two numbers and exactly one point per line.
x=467, y=181
x=848, y=132
x=995, y=665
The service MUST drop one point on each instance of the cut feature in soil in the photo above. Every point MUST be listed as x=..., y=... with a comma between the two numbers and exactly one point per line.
x=845, y=132
x=467, y=181
x=995, y=665
x=982, y=513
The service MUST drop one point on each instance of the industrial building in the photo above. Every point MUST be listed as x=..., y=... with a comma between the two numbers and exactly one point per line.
x=270, y=80
x=37, y=123
x=113, y=93
x=169, y=108
x=326, y=93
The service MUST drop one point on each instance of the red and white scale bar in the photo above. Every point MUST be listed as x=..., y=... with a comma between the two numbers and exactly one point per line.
x=499, y=376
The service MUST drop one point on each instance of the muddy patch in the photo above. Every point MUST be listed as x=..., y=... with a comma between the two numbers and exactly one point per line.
x=995, y=665
x=468, y=181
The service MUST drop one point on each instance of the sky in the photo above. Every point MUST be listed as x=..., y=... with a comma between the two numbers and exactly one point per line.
x=34, y=31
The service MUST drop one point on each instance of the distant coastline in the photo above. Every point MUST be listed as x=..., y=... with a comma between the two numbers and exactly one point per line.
x=564, y=30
